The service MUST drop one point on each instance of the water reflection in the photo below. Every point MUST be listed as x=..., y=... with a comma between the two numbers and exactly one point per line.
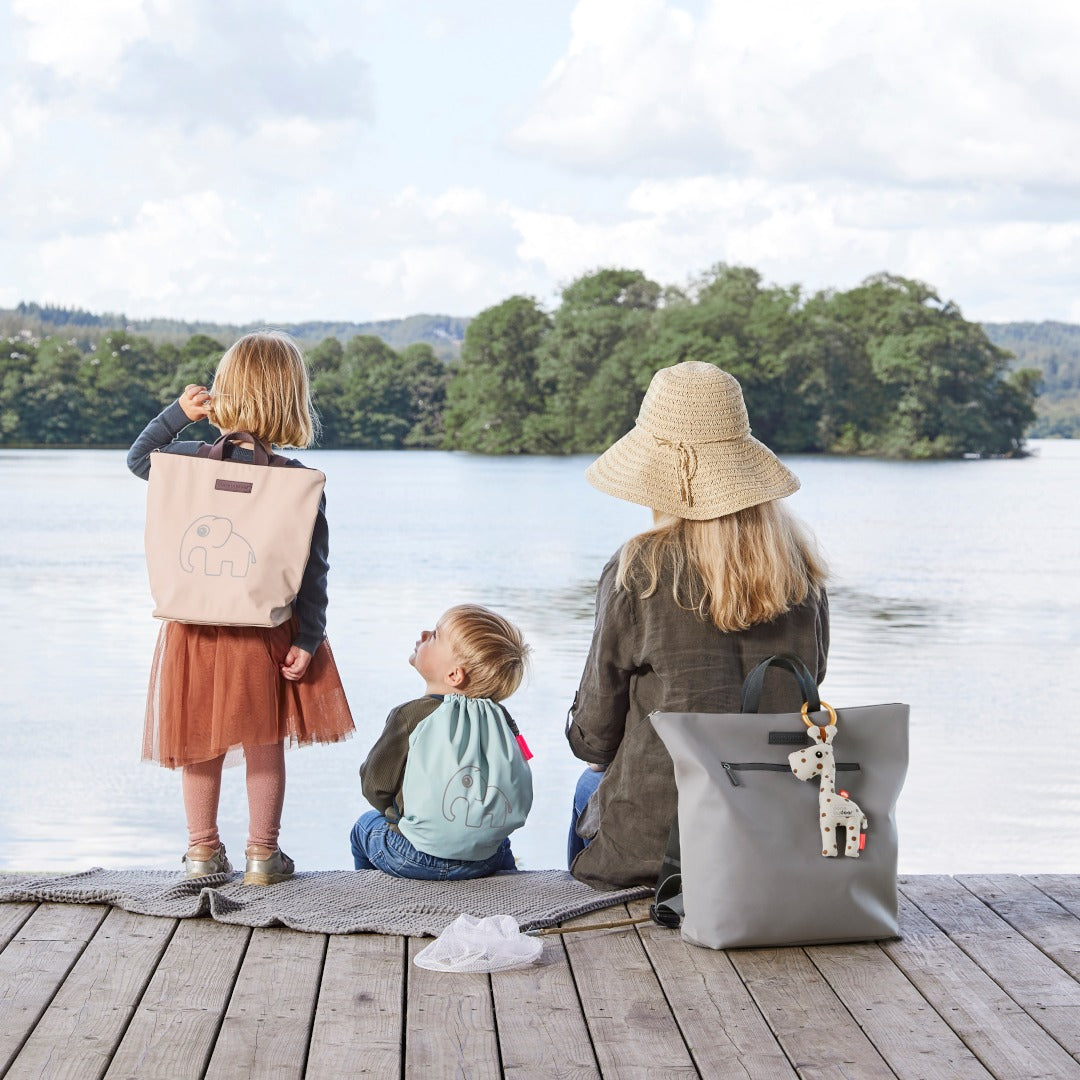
x=899, y=614
x=970, y=617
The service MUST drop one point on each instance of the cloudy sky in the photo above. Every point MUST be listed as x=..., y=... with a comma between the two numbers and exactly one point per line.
x=358, y=159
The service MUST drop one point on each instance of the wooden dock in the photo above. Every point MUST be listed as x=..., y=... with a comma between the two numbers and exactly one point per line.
x=984, y=983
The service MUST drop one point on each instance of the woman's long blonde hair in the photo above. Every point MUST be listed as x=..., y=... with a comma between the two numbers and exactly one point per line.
x=735, y=571
x=261, y=386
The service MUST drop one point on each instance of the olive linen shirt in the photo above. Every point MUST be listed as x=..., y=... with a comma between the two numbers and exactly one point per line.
x=383, y=771
x=647, y=655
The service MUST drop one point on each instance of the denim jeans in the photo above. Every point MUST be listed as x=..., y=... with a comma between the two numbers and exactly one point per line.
x=375, y=846
x=587, y=783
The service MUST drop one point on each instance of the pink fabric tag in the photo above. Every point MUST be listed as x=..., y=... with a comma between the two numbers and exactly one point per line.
x=526, y=753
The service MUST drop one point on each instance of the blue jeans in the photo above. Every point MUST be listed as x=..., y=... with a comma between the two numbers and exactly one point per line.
x=375, y=846
x=587, y=783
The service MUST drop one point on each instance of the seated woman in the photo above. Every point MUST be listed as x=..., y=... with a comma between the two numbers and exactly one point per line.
x=685, y=610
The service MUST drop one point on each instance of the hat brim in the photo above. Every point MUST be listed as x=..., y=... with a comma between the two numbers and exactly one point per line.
x=727, y=476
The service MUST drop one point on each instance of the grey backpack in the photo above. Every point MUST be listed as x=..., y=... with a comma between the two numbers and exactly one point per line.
x=786, y=828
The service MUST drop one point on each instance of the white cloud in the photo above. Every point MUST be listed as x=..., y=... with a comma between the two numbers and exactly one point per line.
x=898, y=90
x=171, y=252
x=821, y=235
x=77, y=40
x=196, y=159
x=191, y=62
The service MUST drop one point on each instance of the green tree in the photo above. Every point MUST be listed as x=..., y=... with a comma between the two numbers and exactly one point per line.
x=426, y=377
x=376, y=395
x=117, y=389
x=947, y=389
x=493, y=391
x=51, y=410
x=599, y=312
x=325, y=363
x=18, y=358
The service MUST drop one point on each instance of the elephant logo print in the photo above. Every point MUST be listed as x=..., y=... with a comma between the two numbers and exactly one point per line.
x=210, y=544
x=484, y=804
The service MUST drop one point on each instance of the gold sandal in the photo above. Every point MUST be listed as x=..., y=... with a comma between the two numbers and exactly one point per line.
x=269, y=870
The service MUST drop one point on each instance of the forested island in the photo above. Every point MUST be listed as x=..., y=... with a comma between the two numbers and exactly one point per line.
x=885, y=369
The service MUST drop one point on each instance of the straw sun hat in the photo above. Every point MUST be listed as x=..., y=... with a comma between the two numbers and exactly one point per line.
x=691, y=453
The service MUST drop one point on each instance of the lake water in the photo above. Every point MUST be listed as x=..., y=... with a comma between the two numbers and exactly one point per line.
x=955, y=587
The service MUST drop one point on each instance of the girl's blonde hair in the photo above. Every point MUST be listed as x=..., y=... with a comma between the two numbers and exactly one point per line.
x=261, y=386
x=735, y=571
x=490, y=649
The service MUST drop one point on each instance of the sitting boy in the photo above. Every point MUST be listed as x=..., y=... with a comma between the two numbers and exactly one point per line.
x=448, y=776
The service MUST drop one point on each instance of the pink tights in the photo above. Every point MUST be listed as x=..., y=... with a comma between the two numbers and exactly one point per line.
x=266, y=796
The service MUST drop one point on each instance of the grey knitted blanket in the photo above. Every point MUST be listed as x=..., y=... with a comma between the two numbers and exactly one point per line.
x=326, y=901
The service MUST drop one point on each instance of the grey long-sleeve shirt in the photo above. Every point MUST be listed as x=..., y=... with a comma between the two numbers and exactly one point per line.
x=162, y=433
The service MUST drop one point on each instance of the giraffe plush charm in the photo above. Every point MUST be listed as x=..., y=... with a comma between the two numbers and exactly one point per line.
x=835, y=808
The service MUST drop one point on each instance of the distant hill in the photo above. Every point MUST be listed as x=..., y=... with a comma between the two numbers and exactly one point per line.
x=444, y=333
x=1053, y=348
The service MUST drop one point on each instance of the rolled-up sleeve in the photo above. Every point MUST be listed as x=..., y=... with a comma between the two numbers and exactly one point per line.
x=597, y=719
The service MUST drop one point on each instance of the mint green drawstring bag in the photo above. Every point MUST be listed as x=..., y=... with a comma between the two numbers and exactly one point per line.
x=467, y=785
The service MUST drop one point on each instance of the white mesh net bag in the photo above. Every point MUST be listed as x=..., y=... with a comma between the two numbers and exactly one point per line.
x=471, y=944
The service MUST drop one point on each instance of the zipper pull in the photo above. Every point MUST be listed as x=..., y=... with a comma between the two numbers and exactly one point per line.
x=730, y=773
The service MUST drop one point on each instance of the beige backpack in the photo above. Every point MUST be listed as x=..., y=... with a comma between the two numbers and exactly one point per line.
x=227, y=541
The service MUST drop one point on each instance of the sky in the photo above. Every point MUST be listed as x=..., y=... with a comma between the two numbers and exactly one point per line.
x=280, y=161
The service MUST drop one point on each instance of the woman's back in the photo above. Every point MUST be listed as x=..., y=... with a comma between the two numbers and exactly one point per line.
x=651, y=654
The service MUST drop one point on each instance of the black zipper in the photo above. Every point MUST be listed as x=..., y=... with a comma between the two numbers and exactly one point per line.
x=731, y=767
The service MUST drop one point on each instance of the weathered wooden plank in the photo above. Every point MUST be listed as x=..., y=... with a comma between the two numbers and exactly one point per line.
x=632, y=1029
x=815, y=1030
x=267, y=1027
x=994, y=1027
x=78, y=1032
x=12, y=917
x=718, y=1018
x=542, y=1033
x=1064, y=888
x=176, y=1024
x=449, y=1024
x=358, y=1018
x=906, y=1031
x=34, y=965
x=1030, y=977
x=1041, y=919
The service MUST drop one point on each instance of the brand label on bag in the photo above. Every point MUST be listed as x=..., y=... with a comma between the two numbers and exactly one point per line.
x=789, y=738
x=241, y=486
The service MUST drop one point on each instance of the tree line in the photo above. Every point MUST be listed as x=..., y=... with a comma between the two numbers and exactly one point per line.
x=1054, y=348
x=886, y=368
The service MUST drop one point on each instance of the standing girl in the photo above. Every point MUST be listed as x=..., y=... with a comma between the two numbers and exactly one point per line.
x=219, y=691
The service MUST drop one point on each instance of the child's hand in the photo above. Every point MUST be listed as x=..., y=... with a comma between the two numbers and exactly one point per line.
x=195, y=401
x=296, y=663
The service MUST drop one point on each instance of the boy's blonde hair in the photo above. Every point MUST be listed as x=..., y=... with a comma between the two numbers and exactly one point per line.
x=261, y=386
x=735, y=571
x=490, y=649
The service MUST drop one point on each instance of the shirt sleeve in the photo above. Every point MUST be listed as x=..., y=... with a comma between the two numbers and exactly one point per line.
x=311, y=600
x=162, y=431
x=384, y=768
x=597, y=718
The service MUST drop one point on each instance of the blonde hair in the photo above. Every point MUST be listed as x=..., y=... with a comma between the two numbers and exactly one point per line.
x=261, y=386
x=736, y=571
x=490, y=649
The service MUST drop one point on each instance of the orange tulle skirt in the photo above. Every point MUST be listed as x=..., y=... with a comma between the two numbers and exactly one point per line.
x=216, y=689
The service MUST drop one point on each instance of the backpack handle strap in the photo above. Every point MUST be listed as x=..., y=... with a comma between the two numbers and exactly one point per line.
x=261, y=453
x=755, y=682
